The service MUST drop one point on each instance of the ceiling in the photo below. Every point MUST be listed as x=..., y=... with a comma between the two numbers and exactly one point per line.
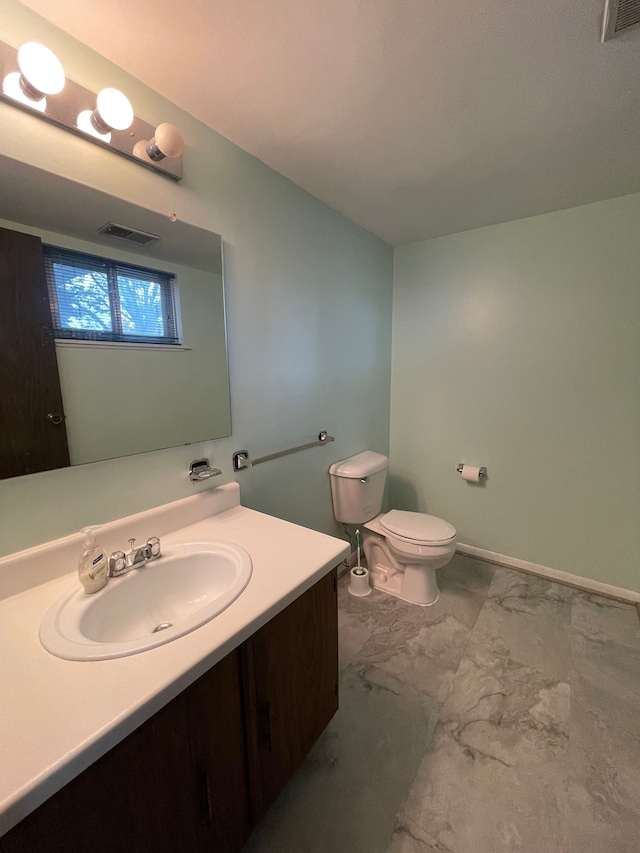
x=414, y=118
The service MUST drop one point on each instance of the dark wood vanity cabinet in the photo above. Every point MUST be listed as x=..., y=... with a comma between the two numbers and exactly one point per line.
x=218, y=757
x=291, y=674
x=139, y=796
x=177, y=783
x=202, y=771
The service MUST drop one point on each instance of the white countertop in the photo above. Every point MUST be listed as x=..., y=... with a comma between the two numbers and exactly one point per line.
x=56, y=716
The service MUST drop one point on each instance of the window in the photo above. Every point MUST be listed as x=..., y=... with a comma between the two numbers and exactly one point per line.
x=97, y=299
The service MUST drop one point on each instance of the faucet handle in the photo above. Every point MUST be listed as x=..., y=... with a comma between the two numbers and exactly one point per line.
x=154, y=543
x=132, y=543
x=117, y=563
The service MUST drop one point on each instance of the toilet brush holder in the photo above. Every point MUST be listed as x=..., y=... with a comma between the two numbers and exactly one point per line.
x=359, y=582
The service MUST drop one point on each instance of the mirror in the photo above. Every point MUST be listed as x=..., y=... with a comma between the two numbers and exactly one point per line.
x=122, y=399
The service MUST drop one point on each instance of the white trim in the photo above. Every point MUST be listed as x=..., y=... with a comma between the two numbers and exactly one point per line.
x=576, y=581
x=70, y=342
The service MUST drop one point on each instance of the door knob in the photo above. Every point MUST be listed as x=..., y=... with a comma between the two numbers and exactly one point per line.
x=55, y=417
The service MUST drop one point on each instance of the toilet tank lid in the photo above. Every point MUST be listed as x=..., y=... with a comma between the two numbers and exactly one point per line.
x=418, y=527
x=361, y=465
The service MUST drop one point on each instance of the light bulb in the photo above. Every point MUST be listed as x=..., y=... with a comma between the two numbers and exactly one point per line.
x=167, y=142
x=85, y=124
x=12, y=88
x=113, y=111
x=41, y=72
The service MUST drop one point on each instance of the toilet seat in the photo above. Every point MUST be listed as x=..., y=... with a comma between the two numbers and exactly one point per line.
x=417, y=528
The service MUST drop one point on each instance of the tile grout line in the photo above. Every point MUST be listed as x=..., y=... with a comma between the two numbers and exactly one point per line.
x=466, y=645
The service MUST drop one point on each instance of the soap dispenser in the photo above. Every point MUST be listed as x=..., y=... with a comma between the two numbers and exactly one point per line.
x=93, y=566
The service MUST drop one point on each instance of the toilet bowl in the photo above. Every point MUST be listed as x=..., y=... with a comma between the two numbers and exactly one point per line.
x=403, y=551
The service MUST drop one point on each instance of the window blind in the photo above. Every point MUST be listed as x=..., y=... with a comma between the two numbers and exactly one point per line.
x=94, y=298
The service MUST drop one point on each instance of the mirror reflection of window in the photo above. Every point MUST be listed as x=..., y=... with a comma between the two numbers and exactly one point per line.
x=82, y=299
x=141, y=307
x=94, y=298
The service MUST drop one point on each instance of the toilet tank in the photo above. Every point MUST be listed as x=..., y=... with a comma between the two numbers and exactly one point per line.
x=357, y=486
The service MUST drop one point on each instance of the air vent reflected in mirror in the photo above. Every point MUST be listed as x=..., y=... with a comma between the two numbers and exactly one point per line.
x=132, y=235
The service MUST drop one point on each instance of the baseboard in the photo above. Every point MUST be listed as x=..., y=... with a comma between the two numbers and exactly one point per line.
x=566, y=578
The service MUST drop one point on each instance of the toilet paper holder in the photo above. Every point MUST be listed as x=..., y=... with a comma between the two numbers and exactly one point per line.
x=482, y=472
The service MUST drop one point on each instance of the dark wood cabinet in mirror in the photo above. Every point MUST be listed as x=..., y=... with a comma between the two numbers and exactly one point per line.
x=32, y=426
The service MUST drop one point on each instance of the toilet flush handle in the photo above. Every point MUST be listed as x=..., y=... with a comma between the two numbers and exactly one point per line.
x=364, y=479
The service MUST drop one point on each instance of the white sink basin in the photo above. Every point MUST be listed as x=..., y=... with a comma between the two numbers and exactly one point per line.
x=165, y=599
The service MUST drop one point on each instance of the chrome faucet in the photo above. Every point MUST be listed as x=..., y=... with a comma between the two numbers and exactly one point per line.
x=121, y=563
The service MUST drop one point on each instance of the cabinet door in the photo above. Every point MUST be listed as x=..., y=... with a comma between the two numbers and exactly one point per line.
x=33, y=435
x=290, y=671
x=219, y=756
x=141, y=796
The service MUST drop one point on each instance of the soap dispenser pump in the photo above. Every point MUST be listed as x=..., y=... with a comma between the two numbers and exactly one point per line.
x=93, y=566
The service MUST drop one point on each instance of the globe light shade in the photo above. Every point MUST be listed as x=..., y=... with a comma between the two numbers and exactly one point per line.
x=41, y=72
x=113, y=112
x=168, y=142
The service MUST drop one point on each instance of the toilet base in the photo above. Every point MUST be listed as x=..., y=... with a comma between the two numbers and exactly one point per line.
x=414, y=583
x=390, y=583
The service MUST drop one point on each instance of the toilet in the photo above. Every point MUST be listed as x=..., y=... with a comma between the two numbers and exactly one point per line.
x=403, y=549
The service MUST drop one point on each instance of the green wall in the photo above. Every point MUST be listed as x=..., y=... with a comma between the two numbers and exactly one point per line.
x=517, y=347
x=308, y=298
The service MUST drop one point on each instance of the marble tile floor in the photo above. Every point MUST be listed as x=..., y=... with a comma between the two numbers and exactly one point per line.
x=504, y=718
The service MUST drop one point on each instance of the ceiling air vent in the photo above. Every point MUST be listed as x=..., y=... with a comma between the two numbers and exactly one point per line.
x=619, y=15
x=131, y=235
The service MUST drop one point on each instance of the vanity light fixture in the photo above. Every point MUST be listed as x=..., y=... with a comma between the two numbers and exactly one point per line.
x=85, y=124
x=41, y=72
x=12, y=89
x=167, y=142
x=33, y=79
x=113, y=111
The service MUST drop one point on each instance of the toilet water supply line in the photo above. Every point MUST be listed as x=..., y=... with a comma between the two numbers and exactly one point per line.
x=359, y=570
x=359, y=583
